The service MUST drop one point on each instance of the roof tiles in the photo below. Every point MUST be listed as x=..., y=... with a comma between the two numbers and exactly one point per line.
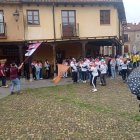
x=71, y=1
x=132, y=27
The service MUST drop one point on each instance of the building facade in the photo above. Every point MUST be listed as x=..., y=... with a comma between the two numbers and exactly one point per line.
x=132, y=38
x=11, y=31
x=66, y=28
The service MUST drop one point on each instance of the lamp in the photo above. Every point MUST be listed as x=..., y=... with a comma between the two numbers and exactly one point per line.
x=16, y=15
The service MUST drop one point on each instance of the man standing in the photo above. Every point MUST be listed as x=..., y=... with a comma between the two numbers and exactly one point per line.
x=103, y=70
x=74, y=70
x=113, y=68
x=15, y=81
x=3, y=75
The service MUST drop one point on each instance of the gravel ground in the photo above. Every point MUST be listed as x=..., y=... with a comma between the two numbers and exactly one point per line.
x=71, y=112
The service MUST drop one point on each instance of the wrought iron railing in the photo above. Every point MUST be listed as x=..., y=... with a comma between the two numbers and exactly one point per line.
x=2, y=29
x=69, y=30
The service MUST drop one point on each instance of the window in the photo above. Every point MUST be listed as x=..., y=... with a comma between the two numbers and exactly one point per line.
x=104, y=16
x=1, y=22
x=33, y=17
x=126, y=49
x=13, y=51
x=68, y=23
x=68, y=17
x=125, y=37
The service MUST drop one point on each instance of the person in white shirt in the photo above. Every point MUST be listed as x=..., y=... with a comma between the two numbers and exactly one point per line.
x=118, y=63
x=94, y=76
x=113, y=68
x=87, y=60
x=103, y=70
x=40, y=65
x=47, y=69
x=124, y=70
x=98, y=63
x=74, y=69
x=84, y=68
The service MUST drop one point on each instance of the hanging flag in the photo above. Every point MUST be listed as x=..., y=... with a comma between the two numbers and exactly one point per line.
x=32, y=48
x=61, y=70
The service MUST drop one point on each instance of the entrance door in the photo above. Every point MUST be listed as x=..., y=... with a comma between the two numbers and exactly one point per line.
x=60, y=55
x=1, y=23
x=126, y=49
x=68, y=23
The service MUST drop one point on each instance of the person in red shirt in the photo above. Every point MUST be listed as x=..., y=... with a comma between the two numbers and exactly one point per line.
x=3, y=75
x=15, y=81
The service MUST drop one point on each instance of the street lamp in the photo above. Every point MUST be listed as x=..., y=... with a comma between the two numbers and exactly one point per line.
x=16, y=15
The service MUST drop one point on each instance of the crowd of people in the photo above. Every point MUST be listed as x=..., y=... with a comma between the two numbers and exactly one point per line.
x=90, y=69
x=36, y=67
x=81, y=70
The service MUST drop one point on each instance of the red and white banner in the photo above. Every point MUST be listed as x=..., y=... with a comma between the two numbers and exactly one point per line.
x=32, y=48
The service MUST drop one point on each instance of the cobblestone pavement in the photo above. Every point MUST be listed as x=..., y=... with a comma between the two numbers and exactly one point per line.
x=25, y=84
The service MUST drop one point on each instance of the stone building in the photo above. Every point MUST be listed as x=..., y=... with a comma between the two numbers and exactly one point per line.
x=71, y=28
x=132, y=38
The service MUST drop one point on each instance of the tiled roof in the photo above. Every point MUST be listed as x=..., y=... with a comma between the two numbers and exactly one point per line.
x=132, y=27
x=71, y=1
x=59, y=1
x=10, y=1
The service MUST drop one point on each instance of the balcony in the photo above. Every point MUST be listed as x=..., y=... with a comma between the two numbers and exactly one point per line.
x=3, y=30
x=69, y=30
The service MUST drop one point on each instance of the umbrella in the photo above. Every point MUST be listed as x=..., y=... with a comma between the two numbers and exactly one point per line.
x=133, y=82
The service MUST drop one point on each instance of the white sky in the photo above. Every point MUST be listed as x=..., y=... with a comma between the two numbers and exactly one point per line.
x=132, y=9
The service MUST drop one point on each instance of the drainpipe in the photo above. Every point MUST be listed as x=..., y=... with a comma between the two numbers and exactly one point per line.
x=54, y=30
x=120, y=37
x=54, y=45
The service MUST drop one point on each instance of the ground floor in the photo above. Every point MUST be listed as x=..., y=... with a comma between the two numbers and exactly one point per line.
x=56, y=51
x=63, y=49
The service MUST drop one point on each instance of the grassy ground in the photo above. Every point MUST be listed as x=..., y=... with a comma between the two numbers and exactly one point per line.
x=71, y=112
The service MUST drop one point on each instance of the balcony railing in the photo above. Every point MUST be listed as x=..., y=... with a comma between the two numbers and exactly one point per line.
x=70, y=30
x=2, y=30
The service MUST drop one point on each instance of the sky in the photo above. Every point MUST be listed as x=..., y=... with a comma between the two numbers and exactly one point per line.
x=132, y=10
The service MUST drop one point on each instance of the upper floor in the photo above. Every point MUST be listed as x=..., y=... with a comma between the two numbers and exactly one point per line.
x=11, y=22
x=46, y=20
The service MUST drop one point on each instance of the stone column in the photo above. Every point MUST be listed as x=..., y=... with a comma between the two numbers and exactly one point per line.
x=20, y=48
x=102, y=50
x=117, y=50
x=113, y=50
x=54, y=58
x=120, y=48
x=84, y=48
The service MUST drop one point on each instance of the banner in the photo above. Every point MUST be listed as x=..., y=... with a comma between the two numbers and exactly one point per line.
x=61, y=70
x=32, y=48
